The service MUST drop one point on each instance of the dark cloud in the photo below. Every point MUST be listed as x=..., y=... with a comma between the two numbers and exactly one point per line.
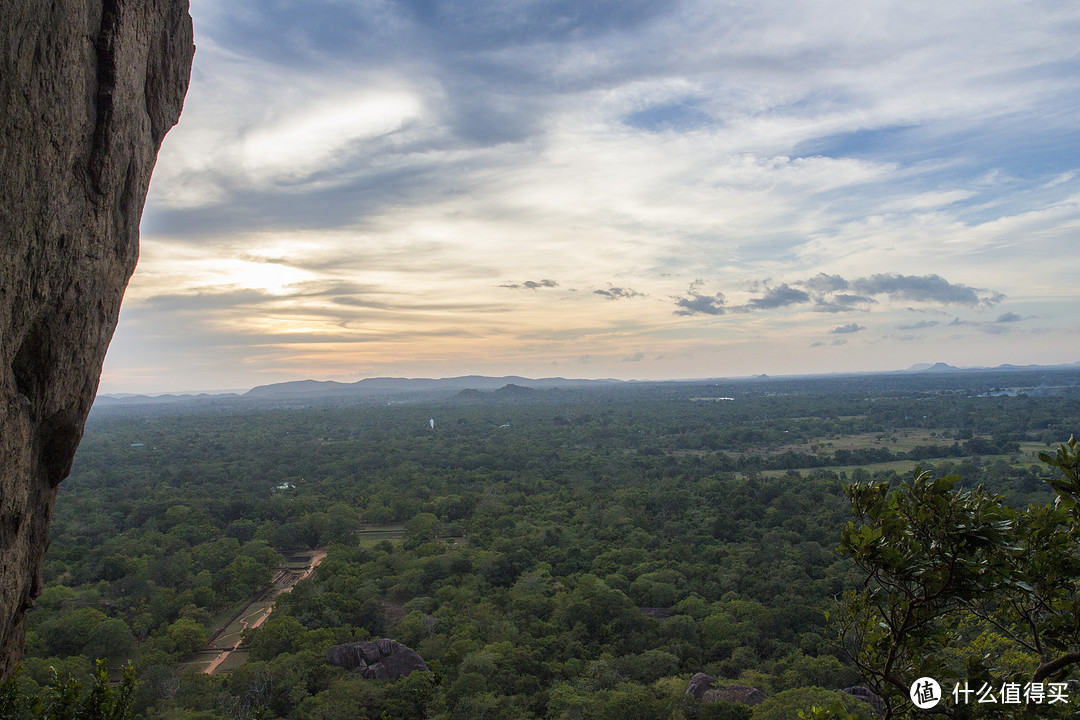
x=823, y=291
x=694, y=303
x=1008, y=317
x=636, y=357
x=618, y=293
x=530, y=285
x=922, y=324
x=780, y=296
x=822, y=283
x=845, y=329
x=841, y=303
x=923, y=288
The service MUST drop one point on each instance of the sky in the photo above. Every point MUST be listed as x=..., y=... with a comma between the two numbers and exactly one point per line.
x=614, y=188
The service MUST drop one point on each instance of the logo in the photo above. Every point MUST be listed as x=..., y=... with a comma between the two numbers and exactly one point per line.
x=925, y=693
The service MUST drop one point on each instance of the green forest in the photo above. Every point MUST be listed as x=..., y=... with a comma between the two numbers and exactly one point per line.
x=549, y=554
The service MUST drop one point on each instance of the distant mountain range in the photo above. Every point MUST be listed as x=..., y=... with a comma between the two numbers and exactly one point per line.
x=383, y=388
x=945, y=367
x=472, y=387
x=373, y=387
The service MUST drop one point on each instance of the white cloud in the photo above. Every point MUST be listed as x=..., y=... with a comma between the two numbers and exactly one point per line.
x=441, y=153
x=319, y=137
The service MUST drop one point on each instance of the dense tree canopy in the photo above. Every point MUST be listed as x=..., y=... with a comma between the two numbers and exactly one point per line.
x=565, y=556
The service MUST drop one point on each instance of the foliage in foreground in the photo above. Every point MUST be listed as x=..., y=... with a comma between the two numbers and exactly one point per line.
x=68, y=698
x=964, y=589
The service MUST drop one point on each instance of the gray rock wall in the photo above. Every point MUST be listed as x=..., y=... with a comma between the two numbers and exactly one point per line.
x=88, y=89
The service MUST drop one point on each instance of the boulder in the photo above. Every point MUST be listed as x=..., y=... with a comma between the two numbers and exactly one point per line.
x=742, y=694
x=88, y=89
x=382, y=659
x=702, y=687
x=699, y=684
x=868, y=696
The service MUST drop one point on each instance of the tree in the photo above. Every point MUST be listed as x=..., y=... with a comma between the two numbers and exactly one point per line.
x=280, y=634
x=948, y=571
x=71, y=699
x=420, y=529
x=187, y=636
x=788, y=704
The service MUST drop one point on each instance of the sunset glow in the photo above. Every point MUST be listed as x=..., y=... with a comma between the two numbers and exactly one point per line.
x=610, y=190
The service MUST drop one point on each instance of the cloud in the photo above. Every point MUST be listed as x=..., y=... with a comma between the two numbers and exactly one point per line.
x=695, y=303
x=823, y=291
x=842, y=302
x=777, y=297
x=402, y=145
x=636, y=357
x=845, y=329
x=924, y=288
x=998, y=326
x=822, y=283
x=921, y=325
x=618, y=293
x=530, y=285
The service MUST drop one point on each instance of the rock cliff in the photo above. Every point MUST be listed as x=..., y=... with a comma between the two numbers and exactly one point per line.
x=88, y=89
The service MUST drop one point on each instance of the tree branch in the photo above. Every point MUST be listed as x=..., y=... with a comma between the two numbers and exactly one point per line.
x=1049, y=668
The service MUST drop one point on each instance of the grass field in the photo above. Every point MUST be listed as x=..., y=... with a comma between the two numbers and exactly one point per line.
x=236, y=659
x=905, y=442
x=369, y=535
x=201, y=660
x=235, y=629
x=899, y=441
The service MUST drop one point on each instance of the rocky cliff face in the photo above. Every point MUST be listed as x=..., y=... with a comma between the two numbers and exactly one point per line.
x=88, y=89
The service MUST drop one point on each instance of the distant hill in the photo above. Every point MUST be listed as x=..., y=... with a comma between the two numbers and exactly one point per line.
x=940, y=367
x=510, y=390
x=480, y=388
x=384, y=386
